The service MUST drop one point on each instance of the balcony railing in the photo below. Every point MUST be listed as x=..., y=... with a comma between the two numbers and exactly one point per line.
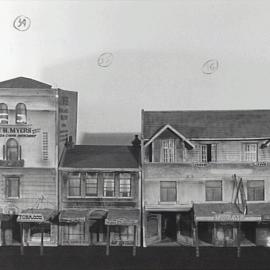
x=12, y=163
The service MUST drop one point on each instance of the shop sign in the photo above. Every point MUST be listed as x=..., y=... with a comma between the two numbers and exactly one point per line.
x=31, y=217
x=120, y=221
x=18, y=132
x=228, y=217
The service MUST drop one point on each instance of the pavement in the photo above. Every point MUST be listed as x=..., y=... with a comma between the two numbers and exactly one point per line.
x=120, y=258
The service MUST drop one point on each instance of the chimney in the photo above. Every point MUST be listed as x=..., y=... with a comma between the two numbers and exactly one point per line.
x=136, y=142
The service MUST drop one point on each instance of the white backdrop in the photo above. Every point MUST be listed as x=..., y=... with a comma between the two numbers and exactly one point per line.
x=158, y=50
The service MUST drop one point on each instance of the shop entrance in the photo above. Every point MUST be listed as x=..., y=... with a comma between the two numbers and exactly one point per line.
x=225, y=235
x=168, y=228
x=97, y=232
x=11, y=231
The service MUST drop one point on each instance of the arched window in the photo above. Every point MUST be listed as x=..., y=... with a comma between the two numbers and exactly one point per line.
x=3, y=113
x=12, y=147
x=21, y=114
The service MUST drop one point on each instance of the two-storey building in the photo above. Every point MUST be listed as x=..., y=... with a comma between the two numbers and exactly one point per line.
x=36, y=121
x=100, y=195
x=206, y=177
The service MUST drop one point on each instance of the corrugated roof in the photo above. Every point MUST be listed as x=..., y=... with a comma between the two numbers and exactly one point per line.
x=210, y=124
x=23, y=82
x=101, y=156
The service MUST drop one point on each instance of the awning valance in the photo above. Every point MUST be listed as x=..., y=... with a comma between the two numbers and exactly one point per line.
x=223, y=212
x=123, y=217
x=73, y=216
x=168, y=207
x=37, y=215
x=81, y=215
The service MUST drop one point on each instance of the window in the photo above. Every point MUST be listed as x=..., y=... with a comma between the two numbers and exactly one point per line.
x=255, y=190
x=3, y=113
x=12, y=149
x=168, y=191
x=74, y=185
x=250, y=152
x=213, y=190
x=168, y=150
x=21, y=114
x=125, y=185
x=13, y=187
x=208, y=153
x=74, y=232
x=91, y=184
x=109, y=185
x=123, y=233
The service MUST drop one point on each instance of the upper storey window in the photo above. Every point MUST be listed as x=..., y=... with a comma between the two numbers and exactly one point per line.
x=250, y=152
x=21, y=114
x=12, y=149
x=168, y=150
x=209, y=152
x=3, y=113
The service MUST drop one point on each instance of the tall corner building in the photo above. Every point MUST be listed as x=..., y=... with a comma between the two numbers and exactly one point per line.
x=36, y=122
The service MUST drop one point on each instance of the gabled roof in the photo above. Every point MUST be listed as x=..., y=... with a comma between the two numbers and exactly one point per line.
x=210, y=124
x=101, y=156
x=178, y=134
x=23, y=82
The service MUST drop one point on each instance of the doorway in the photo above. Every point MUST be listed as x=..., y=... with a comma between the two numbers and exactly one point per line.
x=169, y=226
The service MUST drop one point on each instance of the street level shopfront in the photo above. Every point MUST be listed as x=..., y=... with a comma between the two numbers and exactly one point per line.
x=83, y=226
x=38, y=228
x=168, y=225
x=223, y=225
x=122, y=227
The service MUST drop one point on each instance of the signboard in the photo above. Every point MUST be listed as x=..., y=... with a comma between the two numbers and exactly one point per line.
x=120, y=221
x=18, y=131
x=30, y=217
x=229, y=217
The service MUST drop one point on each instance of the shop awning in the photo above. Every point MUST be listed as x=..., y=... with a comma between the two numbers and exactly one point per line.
x=123, y=217
x=5, y=217
x=222, y=212
x=37, y=215
x=168, y=207
x=262, y=209
x=81, y=215
x=73, y=215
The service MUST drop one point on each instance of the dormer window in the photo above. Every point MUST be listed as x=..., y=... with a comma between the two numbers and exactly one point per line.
x=250, y=152
x=209, y=153
x=168, y=150
x=3, y=113
x=21, y=114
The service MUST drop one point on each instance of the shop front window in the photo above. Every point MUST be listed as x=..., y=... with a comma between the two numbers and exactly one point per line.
x=21, y=114
x=123, y=233
x=35, y=231
x=3, y=113
x=74, y=232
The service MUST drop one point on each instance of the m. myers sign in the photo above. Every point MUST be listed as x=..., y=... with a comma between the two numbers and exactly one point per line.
x=18, y=132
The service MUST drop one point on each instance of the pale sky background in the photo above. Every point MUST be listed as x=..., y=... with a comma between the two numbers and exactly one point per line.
x=159, y=48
